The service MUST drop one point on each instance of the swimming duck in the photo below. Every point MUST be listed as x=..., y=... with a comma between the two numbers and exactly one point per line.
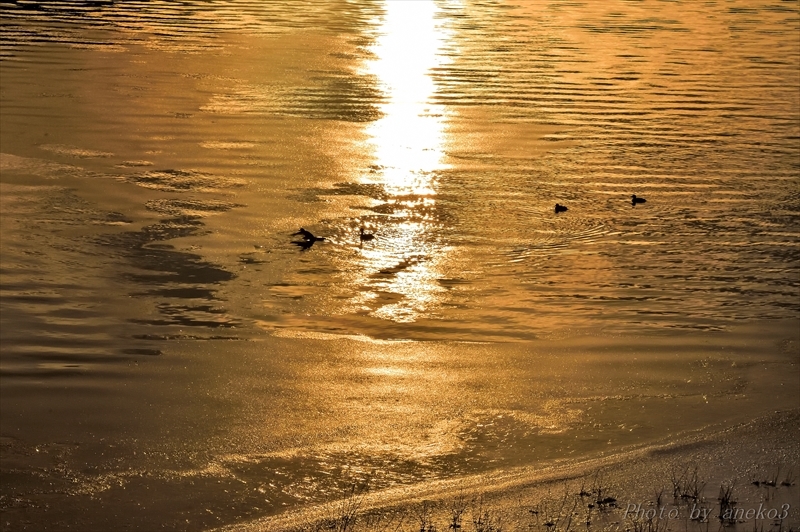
x=308, y=236
x=560, y=208
x=635, y=200
x=366, y=237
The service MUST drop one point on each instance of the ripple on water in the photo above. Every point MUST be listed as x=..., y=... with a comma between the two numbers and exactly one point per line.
x=72, y=151
x=189, y=27
x=190, y=207
x=184, y=180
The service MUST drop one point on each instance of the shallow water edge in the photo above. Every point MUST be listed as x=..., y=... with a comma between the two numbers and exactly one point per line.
x=526, y=498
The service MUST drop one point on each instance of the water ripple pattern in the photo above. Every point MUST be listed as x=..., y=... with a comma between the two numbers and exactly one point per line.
x=693, y=107
x=461, y=144
x=189, y=27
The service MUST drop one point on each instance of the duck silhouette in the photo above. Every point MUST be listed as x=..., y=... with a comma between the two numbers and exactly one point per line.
x=366, y=237
x=308, y=239
x=560, y=208
x=635, y=200
x=308, y=236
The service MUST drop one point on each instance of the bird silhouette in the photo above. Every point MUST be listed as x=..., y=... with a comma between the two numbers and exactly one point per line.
x=635, y=200
x=366, y=237
x=560, y=208
x=308, y=235
x=308, y=239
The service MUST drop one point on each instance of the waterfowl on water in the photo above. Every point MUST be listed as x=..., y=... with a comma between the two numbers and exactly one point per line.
x=635, y=200
x=366, y=237
x=308, y=239
x=308, y=236
x=560, y=208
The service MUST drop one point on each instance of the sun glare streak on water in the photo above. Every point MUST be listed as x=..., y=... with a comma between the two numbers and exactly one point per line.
x=408, y=141
x=407, y=144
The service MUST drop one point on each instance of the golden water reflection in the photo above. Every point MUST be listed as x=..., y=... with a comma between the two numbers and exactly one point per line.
x=408, y=140
x=407, y=144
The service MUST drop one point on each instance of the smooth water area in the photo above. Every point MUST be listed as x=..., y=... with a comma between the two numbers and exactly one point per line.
x=171, y=358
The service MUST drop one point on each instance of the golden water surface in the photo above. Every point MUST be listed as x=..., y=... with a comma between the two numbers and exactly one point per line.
x=163, y=331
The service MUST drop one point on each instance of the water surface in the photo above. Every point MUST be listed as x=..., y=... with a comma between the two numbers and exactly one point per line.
x=160, y=331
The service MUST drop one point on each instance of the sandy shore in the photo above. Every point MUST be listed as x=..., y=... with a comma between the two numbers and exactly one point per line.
x=747, y=458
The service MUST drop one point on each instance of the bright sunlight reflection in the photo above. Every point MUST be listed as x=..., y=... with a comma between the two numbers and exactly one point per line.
x=408, y=140
x=408, y=148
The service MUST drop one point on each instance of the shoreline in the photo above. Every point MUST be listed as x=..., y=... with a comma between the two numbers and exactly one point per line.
x=731, y=457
